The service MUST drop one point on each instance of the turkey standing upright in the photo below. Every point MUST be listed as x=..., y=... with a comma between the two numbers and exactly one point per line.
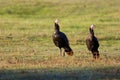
x=61, y=40
x=92, y=43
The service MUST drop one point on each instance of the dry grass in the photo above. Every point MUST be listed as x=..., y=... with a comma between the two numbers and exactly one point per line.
x=28, y=53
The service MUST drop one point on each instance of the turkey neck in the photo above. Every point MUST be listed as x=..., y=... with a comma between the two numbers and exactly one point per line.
x=57, y=28
x=91, y=32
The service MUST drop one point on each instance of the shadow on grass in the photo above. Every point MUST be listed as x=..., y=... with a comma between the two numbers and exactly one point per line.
x=62, y=74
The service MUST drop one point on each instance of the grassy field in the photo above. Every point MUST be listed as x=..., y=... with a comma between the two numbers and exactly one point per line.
x=27, y=50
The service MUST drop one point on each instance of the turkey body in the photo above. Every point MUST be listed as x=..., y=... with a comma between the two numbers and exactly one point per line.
x=93, y=44
x=61, y=41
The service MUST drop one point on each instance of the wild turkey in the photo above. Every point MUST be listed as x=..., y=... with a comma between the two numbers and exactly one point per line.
x=92, y=43
x=61, y=40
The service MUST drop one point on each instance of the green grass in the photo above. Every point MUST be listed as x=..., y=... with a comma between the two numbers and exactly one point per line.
x=27, y=50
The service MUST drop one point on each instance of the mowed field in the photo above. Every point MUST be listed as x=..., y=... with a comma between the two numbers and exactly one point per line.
x=27, y=51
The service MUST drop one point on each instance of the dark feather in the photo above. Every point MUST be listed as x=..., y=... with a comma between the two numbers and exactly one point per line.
x=61, y=40
x=92, y=44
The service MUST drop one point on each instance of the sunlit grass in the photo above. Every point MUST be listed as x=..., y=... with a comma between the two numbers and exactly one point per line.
x=26, y=46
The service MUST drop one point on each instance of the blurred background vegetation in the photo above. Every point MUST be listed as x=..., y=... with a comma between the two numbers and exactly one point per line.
x=26, y=27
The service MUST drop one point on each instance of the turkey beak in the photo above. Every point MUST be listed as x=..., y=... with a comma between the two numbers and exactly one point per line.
x=92, y=26
x=56, y=21
x=70, y=53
